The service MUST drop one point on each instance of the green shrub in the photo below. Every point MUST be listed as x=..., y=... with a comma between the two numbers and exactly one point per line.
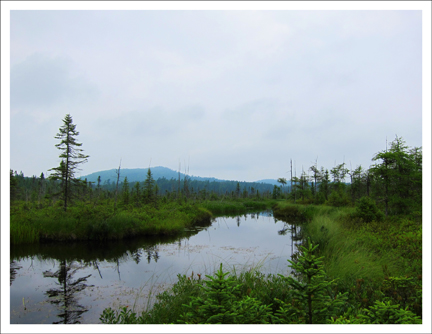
x=405, y=291
x=314, y=300
x=222, y=303
x=367, y=210
x=319, y=198
x=338, y=198
x=124, y=316
x=384, y=312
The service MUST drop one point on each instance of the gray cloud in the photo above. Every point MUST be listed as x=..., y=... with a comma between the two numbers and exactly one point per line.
x=41, y=81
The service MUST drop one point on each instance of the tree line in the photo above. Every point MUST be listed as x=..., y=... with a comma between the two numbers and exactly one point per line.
x=394, y=182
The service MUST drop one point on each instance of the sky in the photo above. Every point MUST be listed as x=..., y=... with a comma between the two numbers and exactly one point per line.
x=231, y=94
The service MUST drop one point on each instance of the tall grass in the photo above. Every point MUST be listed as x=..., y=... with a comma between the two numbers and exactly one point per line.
x=236, y=206
x=22, y=233
x=363, y=257
x=86, y=222
x=352, y=252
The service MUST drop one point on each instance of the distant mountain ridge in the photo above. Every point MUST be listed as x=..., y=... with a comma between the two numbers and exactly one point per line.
x=270, y=181
x=159, y=172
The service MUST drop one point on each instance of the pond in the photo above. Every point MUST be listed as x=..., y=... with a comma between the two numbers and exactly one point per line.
x=75, y=282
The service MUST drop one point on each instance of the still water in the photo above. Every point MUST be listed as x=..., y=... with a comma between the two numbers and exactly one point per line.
x=75, y=282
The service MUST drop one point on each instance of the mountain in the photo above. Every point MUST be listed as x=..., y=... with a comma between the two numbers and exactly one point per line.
x=140, y=174
x=270, y=181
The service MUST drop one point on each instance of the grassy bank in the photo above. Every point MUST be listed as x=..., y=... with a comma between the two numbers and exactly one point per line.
x=32, y=223
x=373, y=250
x=236, y=206
x=102, y=222
x=369, y=260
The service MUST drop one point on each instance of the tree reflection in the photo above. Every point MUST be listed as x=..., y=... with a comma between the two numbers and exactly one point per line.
x=284, y=229
x=152, y=253
x=65, y=295
x=13, y=270
x=136, y=255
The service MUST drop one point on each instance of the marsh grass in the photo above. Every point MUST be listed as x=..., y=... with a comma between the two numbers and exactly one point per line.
x=23, y=233
x=31, y=222
x=86, y=222
x=350, y=252
x=236, y=206
x=363, y=256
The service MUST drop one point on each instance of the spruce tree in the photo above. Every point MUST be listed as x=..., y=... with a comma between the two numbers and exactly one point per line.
x=149, y=188
x=125, y=191
x=71, y=157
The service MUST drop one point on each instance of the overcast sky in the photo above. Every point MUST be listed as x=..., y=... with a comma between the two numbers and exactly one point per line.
x=231, y=94
x=228, y=94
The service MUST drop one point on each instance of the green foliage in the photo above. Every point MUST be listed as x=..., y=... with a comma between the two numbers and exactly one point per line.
x=364, y=256
x=314, y=300
x=319, y=198
x=384, y=312
x=225, y=207
x=149, y=189
x=22, y=233
x=381, y=312
x=13, y=186
x=125, y=192
x=398, y=177
x=294, y=213
x=71, y=157
x=277, y=192
x=123, y=316
x=405, y=291
x=338, y=198
x=84, y=221
x=367, y=210
x=222, y=303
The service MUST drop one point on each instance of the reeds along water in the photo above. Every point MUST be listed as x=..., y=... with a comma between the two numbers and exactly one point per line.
x=85, y=222
x=22, y=234
x=237, y=206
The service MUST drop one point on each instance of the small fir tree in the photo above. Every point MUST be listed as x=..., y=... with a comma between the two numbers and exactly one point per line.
x=313, y=299
x=149, y=189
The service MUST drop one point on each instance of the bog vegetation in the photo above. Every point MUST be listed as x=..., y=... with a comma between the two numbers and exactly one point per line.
x=360, y=260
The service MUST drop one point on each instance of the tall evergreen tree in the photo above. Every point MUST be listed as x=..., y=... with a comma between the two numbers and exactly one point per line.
x=149, y=188
x=71, y=157
x=125, y=191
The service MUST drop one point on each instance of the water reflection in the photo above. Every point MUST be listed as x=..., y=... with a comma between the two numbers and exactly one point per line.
x=74, y=282
x=152, y=253
x=65, y=296
x=14, y=267
x=111, y=251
